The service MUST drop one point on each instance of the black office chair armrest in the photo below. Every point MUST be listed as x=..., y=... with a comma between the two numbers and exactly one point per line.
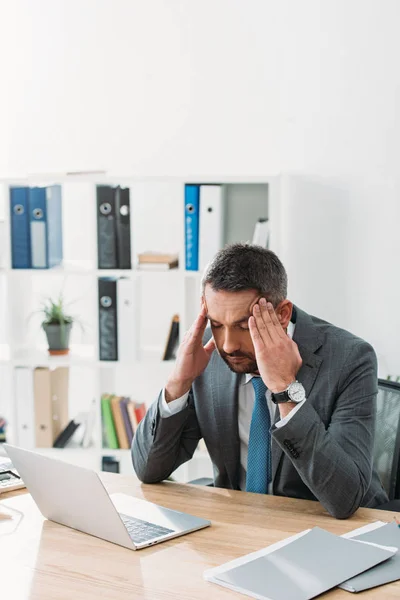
x=391, y=505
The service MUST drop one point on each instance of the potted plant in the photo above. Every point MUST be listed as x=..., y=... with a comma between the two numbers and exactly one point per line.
x=57, y=326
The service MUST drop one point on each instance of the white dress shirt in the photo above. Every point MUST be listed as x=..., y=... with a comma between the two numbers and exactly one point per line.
x=245, y=409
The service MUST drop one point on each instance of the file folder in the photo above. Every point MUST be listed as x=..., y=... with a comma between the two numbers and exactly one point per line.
x=54, y=225
x=211, y=224
x=192, y=205
x=108, y=323
x=123, y=227
x=300, y=567
x=387, y=535
x=59, y=378
x=45, y=226
x=125, y=320
x=20, y=228
x=43, y=408
x=24, y=407
x=106, y=228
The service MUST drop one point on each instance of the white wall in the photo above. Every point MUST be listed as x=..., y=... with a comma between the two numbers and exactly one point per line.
x=225, y=87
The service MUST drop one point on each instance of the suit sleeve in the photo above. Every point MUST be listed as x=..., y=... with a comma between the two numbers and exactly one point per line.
x=160, y=445
x=335, y=461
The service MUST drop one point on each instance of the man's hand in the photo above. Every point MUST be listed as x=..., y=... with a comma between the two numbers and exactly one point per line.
x=192, y=358
x=277, y=355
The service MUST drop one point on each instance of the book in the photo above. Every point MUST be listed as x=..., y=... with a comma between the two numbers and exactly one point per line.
x=157, y=260
x=158, y=266
x=118, y=419
x=127, y=421
x=66, y=434
x=140, y=411
x=108, y=428
x=173, y=339
x=130, y=407
x=157, y=257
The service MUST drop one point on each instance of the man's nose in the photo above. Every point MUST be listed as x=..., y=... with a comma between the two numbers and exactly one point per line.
x=231, y=343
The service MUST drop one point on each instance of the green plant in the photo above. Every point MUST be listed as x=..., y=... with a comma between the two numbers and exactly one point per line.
x=54, y=312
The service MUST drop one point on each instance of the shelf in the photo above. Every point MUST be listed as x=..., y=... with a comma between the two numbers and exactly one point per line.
x=79, y=355
x=90, y=270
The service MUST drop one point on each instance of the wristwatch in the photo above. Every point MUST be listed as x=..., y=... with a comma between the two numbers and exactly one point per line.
x=295, y=392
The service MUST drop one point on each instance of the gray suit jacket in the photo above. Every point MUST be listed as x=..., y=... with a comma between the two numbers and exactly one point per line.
x=323, y=453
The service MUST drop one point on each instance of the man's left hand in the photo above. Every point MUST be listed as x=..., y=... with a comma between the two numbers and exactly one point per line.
x=277, y=355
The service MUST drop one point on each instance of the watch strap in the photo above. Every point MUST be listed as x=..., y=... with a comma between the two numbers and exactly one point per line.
x=280, y=397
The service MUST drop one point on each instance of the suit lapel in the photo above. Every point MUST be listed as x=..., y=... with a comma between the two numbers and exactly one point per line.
x=224, y=389
x=308, y=341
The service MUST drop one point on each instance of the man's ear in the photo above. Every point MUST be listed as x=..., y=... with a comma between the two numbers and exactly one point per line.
x=284, y=312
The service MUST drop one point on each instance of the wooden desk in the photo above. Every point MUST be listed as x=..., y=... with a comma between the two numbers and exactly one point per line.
x=47, y=561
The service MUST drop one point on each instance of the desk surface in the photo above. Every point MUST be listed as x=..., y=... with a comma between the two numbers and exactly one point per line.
x=46, y=561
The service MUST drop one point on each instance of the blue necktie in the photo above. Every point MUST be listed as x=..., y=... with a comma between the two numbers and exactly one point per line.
x=259, y=454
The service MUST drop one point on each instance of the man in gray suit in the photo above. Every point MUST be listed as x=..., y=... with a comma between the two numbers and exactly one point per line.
x=285, y=401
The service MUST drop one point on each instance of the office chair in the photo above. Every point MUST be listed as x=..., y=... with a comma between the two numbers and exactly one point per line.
x=387, y=441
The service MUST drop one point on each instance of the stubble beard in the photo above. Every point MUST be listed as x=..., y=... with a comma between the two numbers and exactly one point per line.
x=248, y=366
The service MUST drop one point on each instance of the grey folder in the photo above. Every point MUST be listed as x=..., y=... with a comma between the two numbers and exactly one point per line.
x=302, y=569
x=387, y=535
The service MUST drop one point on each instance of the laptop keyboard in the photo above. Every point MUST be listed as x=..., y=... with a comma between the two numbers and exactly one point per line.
x=9, y=478
x=142, y=531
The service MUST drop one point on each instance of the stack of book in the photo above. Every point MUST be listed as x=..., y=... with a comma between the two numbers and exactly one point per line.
x=120, y=417
x=157, y=261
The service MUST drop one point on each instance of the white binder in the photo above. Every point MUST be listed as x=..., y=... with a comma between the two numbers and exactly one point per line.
x=24, y=407
x=261, y=233
x=125, y=320
x=211, y=228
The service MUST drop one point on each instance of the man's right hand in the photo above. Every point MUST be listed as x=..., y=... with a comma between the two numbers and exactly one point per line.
x=191, y=360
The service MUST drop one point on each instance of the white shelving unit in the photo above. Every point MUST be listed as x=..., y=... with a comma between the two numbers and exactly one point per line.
x=157, y=223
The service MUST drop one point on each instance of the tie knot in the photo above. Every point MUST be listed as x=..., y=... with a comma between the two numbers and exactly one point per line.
x=259, y=387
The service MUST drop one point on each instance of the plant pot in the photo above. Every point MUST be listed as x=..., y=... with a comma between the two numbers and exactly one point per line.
x=58, y=337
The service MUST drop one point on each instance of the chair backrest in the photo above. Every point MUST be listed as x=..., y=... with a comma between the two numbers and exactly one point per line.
x=387, y=436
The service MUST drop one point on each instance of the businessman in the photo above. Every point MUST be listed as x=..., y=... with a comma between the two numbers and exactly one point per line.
x=285, y=401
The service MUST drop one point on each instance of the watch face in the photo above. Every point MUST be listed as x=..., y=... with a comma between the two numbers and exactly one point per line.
x=296, y=392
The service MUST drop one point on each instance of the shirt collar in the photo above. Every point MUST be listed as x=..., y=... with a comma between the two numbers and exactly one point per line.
x=290, y=330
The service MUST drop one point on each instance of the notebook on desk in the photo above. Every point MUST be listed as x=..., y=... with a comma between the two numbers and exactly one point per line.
x=387, y=534
x=300, y=567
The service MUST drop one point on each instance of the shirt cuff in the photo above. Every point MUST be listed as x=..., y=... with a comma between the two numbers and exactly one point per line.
x=286, y=419
x=167, y=409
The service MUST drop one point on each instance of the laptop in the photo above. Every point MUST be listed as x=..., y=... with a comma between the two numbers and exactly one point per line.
x=76, y=497
x=9, y=477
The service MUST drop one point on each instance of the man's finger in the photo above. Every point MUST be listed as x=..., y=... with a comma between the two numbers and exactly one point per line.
x=255, y=335
x=261, y=325
x=270, y=317
x=210, y=346
x=197, y=332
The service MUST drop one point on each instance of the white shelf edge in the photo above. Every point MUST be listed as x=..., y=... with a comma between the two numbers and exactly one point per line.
x=92, y=272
